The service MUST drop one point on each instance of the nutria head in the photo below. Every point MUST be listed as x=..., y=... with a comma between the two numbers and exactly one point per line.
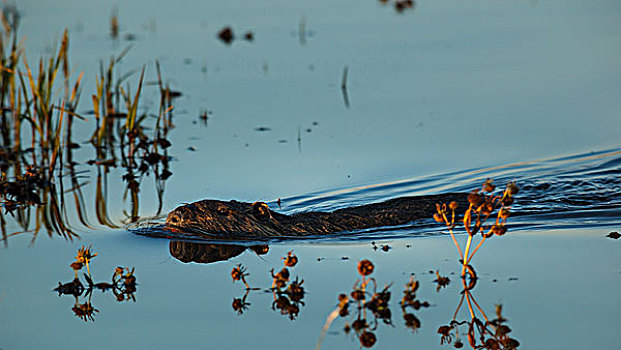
x=220, y=217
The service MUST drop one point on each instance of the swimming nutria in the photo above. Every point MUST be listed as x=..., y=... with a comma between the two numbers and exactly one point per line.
x=231, y=220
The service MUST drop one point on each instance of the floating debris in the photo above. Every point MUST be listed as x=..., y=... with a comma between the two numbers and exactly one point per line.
x=401, y=6
x=226, y=35
x=114, y=24
x=204, y=116
x=441, y=281
x=344, y=86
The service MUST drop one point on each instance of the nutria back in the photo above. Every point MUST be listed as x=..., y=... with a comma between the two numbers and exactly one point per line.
x=233, y=219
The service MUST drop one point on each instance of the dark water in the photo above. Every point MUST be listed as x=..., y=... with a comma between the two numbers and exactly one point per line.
x=572, y=192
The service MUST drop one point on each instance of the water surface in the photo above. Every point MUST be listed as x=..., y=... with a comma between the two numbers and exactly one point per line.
x=439, y=98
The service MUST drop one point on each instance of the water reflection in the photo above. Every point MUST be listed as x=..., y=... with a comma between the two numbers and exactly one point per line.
x=122, y=285
x=365, y=298
x=481, y=331
x=287, y=293
x=39, y=183
x=206, y=253
x=487, y=334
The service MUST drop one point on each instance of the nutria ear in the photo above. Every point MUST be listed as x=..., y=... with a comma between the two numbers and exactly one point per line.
x=261, y=211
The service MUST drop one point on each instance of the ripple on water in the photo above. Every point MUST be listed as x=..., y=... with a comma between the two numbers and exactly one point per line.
x=576, y=191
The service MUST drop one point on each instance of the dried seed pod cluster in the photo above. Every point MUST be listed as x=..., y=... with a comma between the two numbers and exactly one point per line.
x=122, y=285
x=288, y=294
x=483, y=203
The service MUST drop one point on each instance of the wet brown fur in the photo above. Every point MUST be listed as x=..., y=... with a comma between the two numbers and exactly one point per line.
x=239, y=219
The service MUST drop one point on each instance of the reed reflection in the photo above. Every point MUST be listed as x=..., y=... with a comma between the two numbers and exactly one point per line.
x=42, y=181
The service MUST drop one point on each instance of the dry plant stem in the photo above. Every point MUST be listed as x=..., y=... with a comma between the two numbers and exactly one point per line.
x=333, y=315
x=483, y=239
x=461, y=255
x=480, y=310
x=474, y=251
x=461, y=301
x=468, y=300
x=465, y=261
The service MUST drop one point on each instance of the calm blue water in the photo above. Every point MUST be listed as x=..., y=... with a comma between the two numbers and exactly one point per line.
x=439, y=99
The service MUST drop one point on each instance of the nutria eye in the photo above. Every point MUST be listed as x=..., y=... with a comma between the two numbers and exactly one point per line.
x=174, y=220
x=223, y=210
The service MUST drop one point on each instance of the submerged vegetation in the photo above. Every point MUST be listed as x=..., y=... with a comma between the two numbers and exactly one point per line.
x=40, y=176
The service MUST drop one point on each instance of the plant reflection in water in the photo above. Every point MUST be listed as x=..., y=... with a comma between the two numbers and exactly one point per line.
x=481, y=334
x=365, y=307
x=491, y=334
x=122, y=285
x=377, y=302
x=36, y=181
x=287, y=294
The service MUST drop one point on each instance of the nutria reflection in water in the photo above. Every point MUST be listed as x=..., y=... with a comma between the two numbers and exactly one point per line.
x=235, y=219
x=206, y=253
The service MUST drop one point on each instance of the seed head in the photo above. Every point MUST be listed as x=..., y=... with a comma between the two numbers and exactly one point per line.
x=238, y=273
x=85, y=255
x=438, y=218
x=357, y=294
x=488, y=186
x=291, y=259
x=512, y=189
x=504, y=213
x=365, y=267
x=474, y=198
x=367, y=339
x=499, y=230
